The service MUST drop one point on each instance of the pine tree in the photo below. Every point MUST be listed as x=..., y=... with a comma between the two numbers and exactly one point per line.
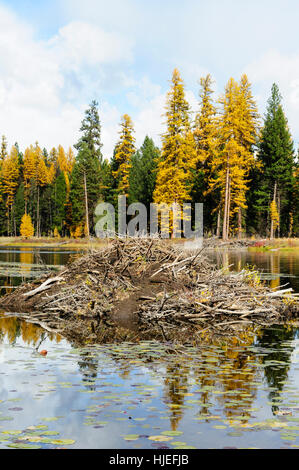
x=143, y=173
x=86, y=172
x=276, y=155
x=107, y=182
x=178, y=156
x=85, y=188
x=19, y=206
x=59, y=201
x=295, y=202
x=27, y=229
x=91, y=129
x=125, y=149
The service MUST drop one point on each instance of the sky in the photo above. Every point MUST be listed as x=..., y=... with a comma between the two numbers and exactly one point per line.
x=56, y=56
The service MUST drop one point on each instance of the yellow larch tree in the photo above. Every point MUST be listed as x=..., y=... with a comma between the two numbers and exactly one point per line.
x=207, y=142
x=275, y=220
x=205, y=128
x=29, y=171
x=42, y=179
x=3, y=152
x=178, y=156
x=26, y=229
x=248, y=134
x=10, y=179
x=53, y=157
x=125, y=149
x=238, y=128
x=66, y=163
x=61, y=159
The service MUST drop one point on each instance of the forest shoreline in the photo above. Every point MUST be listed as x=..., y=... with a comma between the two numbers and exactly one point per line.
x=133, y=290
x=258, y=244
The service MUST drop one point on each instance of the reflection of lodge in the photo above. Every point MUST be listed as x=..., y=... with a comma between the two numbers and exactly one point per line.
x=11, y=329
x=225, y=374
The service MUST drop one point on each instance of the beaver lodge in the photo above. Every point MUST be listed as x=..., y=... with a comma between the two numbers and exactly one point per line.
x=148, y=289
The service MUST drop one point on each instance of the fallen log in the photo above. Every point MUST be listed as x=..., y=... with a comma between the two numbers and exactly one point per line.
x=46, y=285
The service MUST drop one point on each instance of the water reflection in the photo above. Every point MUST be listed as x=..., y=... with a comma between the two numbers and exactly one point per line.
x=12, y=329
x=20, y=264
x=220, y=390
x=277, y=267
x=231, y=393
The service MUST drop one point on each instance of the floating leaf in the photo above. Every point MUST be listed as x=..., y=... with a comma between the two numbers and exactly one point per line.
x=23, y=446
x=160, y=438
x=131, y=437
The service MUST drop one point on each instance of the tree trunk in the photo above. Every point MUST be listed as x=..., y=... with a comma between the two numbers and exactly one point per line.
x=86, y=207
x=218, y=224
x=224, y=231
x=8, y=221
x=272, y=234
x=228, y=209
x=37, y=214
x=240, y=223
x=278, y=210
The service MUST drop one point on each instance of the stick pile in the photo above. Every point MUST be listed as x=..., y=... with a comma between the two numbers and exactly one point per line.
x=172, y=294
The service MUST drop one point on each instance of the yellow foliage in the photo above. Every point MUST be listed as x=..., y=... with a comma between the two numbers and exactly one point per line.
x=79, y=232
x=238, y=126
x=178, y=157
x=274, y=215
x=124, y=152
x=56, y=233
x=10, y=176
x=206, y=131
x=26, y=229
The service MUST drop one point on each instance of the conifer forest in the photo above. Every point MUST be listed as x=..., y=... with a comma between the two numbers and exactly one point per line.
x=243, y=167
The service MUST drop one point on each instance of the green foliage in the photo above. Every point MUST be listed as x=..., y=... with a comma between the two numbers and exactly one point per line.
x=91, y=129
x=276, y=155
x=59, y=199
x=143, y=173
x=86, y=164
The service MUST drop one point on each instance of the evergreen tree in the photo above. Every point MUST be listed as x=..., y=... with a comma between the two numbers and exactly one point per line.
x=107, y=182
x=19, y=206
x=59, y=200
x=143, y=173
x=276, y=155
x=91, y=129
x=85, y=188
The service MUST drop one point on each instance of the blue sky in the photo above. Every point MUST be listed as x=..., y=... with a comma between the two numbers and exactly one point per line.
x=56, y=56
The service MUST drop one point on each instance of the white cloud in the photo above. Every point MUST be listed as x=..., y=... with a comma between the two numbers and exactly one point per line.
x=283, y=69
x=43, y=83
x=80, y=43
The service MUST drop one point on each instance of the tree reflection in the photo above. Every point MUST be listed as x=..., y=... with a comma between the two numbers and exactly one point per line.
x=276, y=375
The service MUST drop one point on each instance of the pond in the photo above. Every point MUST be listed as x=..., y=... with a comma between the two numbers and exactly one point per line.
x=239, y=393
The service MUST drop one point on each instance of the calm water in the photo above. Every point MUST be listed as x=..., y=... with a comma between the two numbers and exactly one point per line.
x=242, y=394
x=20, y=264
